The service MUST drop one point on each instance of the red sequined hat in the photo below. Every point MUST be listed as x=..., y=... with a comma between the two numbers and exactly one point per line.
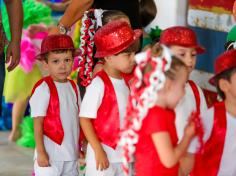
x=114, y=37
x=182, y=36
x=57, y=42
x=224, y=62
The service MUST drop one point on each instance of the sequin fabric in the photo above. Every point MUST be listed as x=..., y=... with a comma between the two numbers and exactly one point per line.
x=224, y=62
x=56, y=42
x=182, y=36
x=114, y=37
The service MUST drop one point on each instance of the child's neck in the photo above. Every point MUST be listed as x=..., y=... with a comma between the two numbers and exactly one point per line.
x=161, y=102
x=112, y=72
x=230, y=105
x=59, y=81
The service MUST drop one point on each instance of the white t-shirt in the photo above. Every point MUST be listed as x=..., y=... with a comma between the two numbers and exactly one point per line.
x=227, y=164
x=185, y=107
x=68, y=150
x=90, y=105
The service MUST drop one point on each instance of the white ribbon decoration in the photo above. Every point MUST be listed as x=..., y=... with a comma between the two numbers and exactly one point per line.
x=146, y=100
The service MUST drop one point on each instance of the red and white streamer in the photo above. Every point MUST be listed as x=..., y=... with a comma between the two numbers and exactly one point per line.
x=142, y=98
x=85, y=68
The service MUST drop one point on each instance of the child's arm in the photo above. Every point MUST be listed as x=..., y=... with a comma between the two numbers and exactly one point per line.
x=59, y=6
x=169, y=155
x=73, y=13
x=15, y=13
x=186, y=164
x=42, y=156
x=89, y=132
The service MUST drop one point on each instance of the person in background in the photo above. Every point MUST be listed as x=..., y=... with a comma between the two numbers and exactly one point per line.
x=15, y=13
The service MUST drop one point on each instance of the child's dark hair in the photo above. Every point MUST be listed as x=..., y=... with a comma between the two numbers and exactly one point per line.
x=229, y=45
x=111, y=15
x=45, y=56
x=148, y=11
x=226, y=75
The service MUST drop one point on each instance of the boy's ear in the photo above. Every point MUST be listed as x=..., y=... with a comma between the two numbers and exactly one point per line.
x=108, y=58
x=45, y=65
x=224, y=85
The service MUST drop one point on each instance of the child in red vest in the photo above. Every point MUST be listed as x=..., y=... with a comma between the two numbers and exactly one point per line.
x=55, y=105
x=182, y=42
x=150, y=121
x=219, y=121
x=104, y=103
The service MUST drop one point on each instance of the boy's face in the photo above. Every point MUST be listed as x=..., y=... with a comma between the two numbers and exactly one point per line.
x=230, y=87
x=59, y=65
x=123, y=62
x=187, y=55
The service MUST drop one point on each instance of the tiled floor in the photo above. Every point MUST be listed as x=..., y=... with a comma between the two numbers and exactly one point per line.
x=14, y=160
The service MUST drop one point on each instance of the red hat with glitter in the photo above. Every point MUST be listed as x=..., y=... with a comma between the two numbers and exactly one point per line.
x=182, y=36
x=224, y=62
x=56, y=42
x=114, y=37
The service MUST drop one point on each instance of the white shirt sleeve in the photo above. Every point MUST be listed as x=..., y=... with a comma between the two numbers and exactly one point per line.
x=39, y=101
x=208, y=121
x=92, y=99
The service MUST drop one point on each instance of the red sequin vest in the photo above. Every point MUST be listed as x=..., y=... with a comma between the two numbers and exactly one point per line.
x=196, y=95
x=107, y=123
x=207, y=163
x=52, y=126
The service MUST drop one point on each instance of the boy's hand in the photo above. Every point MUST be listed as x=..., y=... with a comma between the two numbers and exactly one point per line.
x=35, y=28
x=43, y=159
x=13, y=55
x=102, y=162
x=53, y=30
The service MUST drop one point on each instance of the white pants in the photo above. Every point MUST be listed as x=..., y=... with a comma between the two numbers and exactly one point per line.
x=57, y=168
x=114, y=169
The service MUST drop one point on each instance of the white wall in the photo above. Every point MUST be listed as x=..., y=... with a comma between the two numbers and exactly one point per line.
x=169, y=13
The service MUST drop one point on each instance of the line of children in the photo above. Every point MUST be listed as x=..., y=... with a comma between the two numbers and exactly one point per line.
x=104, y=104
x=163, y=138
x=54, y=105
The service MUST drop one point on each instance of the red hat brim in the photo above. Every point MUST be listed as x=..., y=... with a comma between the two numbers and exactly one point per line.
x=76, y=52
x=199, y=49
x=101, y=54
x=212, y=80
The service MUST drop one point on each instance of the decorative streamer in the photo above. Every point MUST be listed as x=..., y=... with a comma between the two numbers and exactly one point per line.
x=142, y=98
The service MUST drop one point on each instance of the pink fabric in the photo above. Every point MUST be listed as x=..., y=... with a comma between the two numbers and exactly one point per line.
x=29, y=50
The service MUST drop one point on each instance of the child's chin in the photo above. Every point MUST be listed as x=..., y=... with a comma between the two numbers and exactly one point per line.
x=127, y=71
